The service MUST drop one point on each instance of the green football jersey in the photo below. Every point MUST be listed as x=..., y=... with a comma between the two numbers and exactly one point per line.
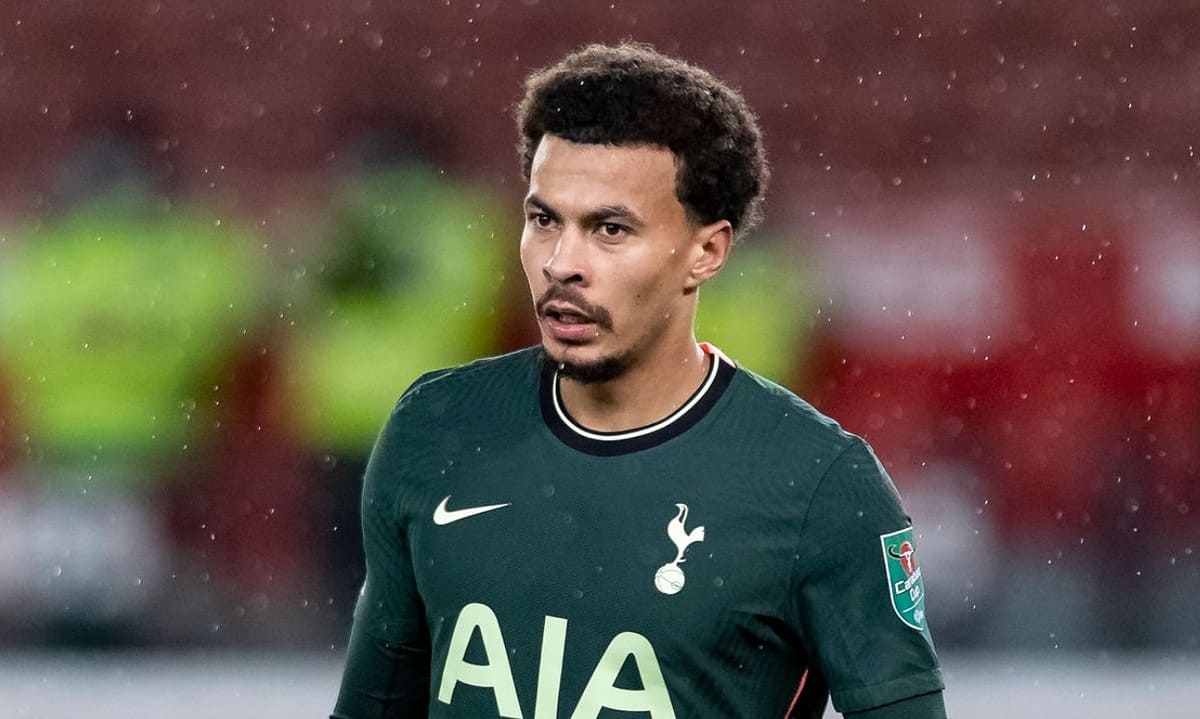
x=710, y=564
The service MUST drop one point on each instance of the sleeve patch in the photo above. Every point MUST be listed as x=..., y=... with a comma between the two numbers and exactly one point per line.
x=905, y=587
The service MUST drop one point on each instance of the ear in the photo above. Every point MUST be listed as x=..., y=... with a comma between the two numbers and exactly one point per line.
x=710, y=248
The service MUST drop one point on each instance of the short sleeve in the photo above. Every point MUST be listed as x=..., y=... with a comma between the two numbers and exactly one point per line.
x=859, y=599
x=387, y=664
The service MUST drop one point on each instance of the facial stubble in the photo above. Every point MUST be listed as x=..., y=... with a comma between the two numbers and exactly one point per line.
x=602, y=369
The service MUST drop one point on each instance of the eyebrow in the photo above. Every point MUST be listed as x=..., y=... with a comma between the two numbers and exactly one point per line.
x=535, y=202
x=604, y=213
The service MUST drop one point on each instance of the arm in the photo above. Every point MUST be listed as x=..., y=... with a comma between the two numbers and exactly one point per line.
x=869, y=642
x=382, y=680
x=387, y=663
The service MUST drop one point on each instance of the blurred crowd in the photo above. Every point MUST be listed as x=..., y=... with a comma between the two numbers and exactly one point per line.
x=176, y=405
x=1035, y=392
x=229, y=240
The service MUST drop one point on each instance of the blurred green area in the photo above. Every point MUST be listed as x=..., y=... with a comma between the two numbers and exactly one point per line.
x=753, y=310
x=119, y=317
x=410, y=280
x=112, y=315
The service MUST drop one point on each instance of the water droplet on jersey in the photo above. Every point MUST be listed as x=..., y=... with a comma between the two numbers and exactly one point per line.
x=548, y=490
x=718, y=582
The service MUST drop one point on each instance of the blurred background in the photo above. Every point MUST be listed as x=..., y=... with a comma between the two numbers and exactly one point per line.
x=231, y=233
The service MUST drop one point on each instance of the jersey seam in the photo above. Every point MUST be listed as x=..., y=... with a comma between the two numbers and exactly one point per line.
x=933, y=671
x=791, y=608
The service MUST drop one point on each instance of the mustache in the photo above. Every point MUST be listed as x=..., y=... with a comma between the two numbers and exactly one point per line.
x=570, y=295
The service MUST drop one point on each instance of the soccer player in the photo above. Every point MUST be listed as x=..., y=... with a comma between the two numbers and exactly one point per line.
x=622, y=521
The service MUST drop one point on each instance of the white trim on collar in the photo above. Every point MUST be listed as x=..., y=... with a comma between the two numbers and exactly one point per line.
x=717, y=358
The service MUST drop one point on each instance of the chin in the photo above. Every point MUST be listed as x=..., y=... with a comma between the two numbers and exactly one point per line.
x=581, y=368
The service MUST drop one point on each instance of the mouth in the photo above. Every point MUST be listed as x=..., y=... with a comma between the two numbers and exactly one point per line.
x=566, y=317
x=567, y=323
x=567, y=314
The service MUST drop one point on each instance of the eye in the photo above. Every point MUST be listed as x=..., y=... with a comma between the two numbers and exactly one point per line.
x=541, y=219
x=612, y=229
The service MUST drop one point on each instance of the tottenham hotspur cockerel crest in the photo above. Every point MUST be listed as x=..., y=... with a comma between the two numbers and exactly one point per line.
x=669, y=577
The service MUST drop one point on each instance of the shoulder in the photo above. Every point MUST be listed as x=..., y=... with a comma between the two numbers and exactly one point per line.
x=838, y=463
x=477, y=404
x=764, y=405
x=486, y=381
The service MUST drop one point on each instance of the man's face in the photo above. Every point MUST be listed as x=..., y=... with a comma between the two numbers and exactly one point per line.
x=607, y=249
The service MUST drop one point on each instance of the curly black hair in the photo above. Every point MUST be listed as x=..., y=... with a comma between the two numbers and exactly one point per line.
x=632, y=94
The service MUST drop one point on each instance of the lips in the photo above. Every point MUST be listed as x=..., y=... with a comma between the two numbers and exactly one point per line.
x=567, y=314
x=567, y=323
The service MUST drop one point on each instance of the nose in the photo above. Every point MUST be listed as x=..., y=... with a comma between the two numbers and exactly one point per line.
x=567, y=263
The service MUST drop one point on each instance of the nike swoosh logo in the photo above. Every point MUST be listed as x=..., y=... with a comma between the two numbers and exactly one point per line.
x=442, y=515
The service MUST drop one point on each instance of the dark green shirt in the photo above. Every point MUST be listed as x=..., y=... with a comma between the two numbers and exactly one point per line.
x=519, y=565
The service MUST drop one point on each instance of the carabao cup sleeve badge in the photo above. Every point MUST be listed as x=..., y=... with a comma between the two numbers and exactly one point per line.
x=904, y=577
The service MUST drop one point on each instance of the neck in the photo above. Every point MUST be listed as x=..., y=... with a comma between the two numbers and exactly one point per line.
x=645, y=393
